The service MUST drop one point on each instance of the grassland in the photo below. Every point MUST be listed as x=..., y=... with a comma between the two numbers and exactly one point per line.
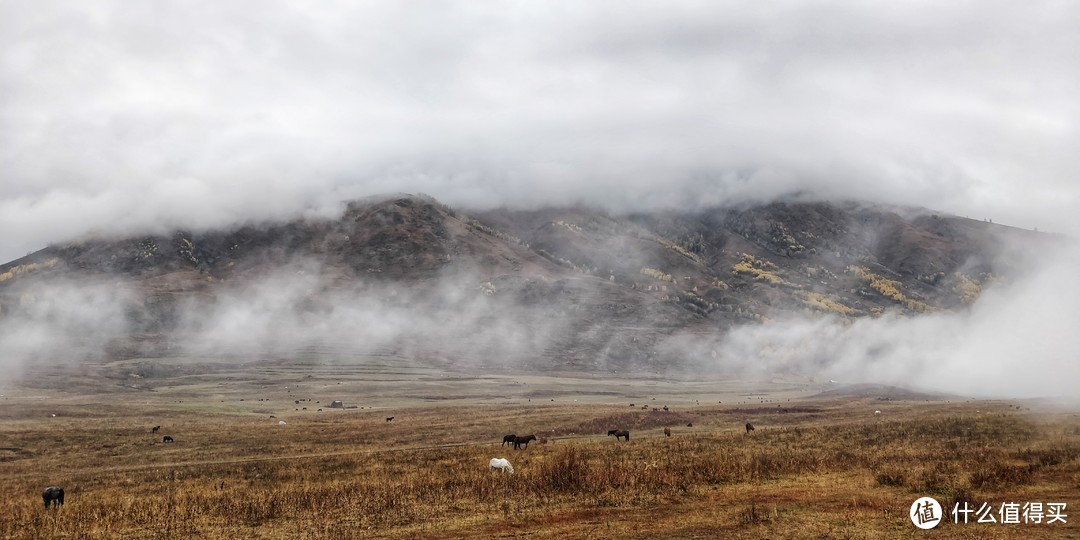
x=815, y=467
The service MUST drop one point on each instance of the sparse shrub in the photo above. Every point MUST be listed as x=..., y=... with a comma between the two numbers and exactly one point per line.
x=889, y=289
x=821, y=302
x=568, y=226
x=753, y=515
x=567, y=471
x=657, y=274
x=759, y=270
x=966, y=288
x=997, y=475
x=28, y=268
x=938, y=480
x=890, y=477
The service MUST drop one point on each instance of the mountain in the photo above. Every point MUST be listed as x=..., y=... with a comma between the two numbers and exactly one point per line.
x=566, y=288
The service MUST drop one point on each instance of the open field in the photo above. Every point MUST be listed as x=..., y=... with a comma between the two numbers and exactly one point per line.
x=815, y=467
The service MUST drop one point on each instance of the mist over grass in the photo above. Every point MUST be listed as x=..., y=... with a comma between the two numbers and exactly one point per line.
x=1018, y=339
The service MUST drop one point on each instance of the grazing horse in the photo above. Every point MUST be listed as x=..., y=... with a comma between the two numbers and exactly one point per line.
x=619, y=433
x=667, y=431
x=54, y=495
x=749, y=427
x=501, y=464
x=518, y=441
x=389, y=419
x=508, y=439
x=166, y=439
x=155, y=429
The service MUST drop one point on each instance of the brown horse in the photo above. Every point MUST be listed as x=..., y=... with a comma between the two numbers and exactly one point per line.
x=155, y=429
x=508, y=439
x=667, y=431
x=518, y=441
x=619, y=433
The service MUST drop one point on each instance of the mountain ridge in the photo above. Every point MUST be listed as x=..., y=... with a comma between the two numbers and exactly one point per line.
x=579, y=287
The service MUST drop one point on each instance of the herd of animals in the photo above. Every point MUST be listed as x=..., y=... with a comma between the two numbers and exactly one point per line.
x=519, y=442
x=54, y=495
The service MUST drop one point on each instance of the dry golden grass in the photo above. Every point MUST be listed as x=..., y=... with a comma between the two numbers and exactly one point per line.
x=810, y=470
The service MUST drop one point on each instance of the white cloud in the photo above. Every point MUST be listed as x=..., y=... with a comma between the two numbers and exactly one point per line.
x=1017, y=340
x=256, y=109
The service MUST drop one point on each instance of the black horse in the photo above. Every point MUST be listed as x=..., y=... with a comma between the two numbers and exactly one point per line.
x=166, y=439
x=508, y=439
x=54, y=495
x=518, y=441
x=619, y=433
x=749, y=427
x=155, y=429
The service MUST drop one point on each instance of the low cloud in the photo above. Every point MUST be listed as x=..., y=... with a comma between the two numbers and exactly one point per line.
x=1016, y=340
x=199, y=114
x=59, y=322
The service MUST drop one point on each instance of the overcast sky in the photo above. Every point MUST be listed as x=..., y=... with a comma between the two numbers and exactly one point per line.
x=121, y=116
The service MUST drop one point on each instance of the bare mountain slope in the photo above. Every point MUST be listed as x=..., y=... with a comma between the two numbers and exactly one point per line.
x=563, y=287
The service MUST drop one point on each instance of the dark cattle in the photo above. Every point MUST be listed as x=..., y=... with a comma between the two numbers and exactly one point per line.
x=389, y=419
x=508, y=439
x=619, y=433
x=54, y=495
x=518, y=441
x=667, y=431
x=155, y=429
x=749, y=427
x=689, y=424
x=166, y=439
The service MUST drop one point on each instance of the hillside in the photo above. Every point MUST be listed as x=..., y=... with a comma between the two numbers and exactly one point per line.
x=567, y=288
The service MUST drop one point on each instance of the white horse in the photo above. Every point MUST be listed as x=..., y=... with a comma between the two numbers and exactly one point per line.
x=501, y=464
